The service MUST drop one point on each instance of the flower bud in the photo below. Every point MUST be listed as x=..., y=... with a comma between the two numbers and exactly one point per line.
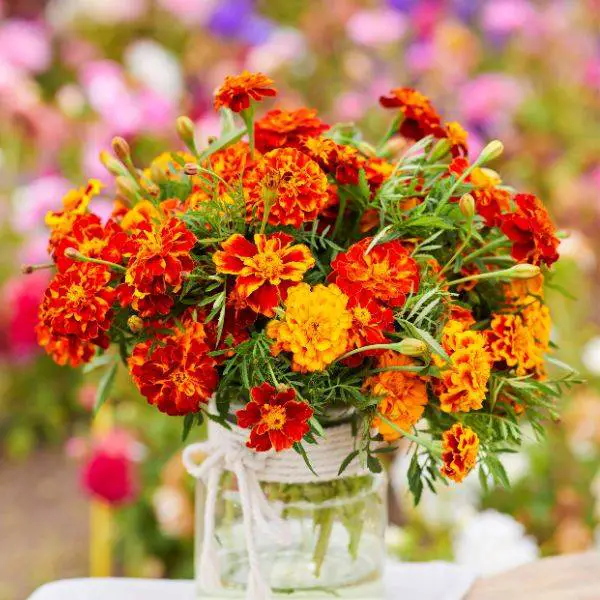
x=127, y=188
x=467, y=206
x=153, y=190
x=395, y=146
x=71, y=253
x=493, y=150
x=121, y=149
x=135, y=324
x=411, y=347
x=157, y=174
x=191, y=169
x=186, y=132
x=524, y=271
x=367, y=149
x=111, y=164
x=440, y=150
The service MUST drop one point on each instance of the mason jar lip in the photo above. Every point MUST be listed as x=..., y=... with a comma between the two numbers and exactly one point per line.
x=378, y=481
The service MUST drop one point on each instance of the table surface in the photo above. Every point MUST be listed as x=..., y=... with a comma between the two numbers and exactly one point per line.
x=575, y=577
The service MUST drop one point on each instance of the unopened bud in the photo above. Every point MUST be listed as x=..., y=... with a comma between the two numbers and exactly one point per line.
x=211, y=139
x=135, y=324
x=71, y=253
x=524, y=271
x=367, y=149
x=467, y=205
x=411, y=347
x=395, y=146
x=493, y=150
x=111, y=164
x=127, y=188
x=157, y=174
x=191, y=169
x=121, y=149
x=440, y=150
x=186, y=132
x=153, y=190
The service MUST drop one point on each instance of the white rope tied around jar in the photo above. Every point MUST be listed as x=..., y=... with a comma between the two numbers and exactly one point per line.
x=226, y=451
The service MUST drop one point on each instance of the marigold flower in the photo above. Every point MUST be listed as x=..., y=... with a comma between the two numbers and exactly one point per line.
x=342, y=162
x=176, y=375
x=460, y=445
x=276, y=419
x=315, y=327
x=463, y=383
x=420, y=117
x=158, y=259
x=75, y=203
x=387, y=271
x=265, y=269
x=79, y=302
x=403, y=395
x=288, y=185
x=238, y=90
x=67, y=349
x=531, y=231
x=280, y=128
x=377, y=172
x=229, y=164
x=234, y=332
x=167, y=166
x=370, y=322
x=457, y=138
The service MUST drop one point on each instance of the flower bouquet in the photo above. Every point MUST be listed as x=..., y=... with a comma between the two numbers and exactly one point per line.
x=315, y=299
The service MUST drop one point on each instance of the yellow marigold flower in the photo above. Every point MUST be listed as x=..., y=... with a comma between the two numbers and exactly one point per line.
x=460, y=445
x=315, y=326
x=167, y=166
x=463, y=382
x=403, y=395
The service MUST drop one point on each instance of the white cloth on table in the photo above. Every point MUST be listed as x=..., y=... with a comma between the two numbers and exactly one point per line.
x=404, y=581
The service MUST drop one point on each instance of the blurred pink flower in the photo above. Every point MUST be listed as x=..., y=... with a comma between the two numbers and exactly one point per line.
x=25, y=45
x=507, y=16
x=351, y=106
x=189, y=12
x=76, y=447
x=376, y=27
x=592, y=73
x=87, y=396
x=23, y=295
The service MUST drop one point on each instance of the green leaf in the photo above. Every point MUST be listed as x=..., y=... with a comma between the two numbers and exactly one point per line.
x=347, y=461
x=373, y=464
x=105, y=386
x=188, y=423
x=299, y=448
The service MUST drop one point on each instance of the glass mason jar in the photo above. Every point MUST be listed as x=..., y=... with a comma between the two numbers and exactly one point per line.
x=335, y=541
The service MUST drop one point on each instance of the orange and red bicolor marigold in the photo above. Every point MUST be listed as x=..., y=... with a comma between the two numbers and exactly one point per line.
x=387, y=271
x=238, y=91
x=286, y=185
x=280, y=128
x=341, y=162
x=265, y=269
x=403, y=395
x=460, y=445
x=531, y=231
x=276, y=419
x=175, y=372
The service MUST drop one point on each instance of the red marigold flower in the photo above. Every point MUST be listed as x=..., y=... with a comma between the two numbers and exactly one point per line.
x=420, y=117
x=342, y=162
x=177, y=375
x=276, y=419
x=68, y=349
x=238, y=90
x=288, y=185
x=234, y=332
x=370, y=322
x=79, y=302
x=460, y=445
x=457, y=138
x=229, y=164
x=280, y=128
x=388, y=272
x=158, y=259
x=377, y=171
x=531, y=231
x=265, y=269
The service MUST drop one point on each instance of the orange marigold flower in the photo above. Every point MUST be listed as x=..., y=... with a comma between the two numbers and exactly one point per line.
x=463, y=382
x=377, y=172
x=176, y=375
x=79, y=302
x=288, y=185
x=280, y=128
x=68, y=349
x=230, y=164
x=419, y=116
x=460, y=446
x=369, y=220
x=531, y=231
x=342, y=162
x=403, y=395
x=315, y=327
x=387, y=271
x=75, y=203
x=235, y=331
x=457, y=138
x=276, y=419
x=238, y=90
x=158, y=259
x=265, y=269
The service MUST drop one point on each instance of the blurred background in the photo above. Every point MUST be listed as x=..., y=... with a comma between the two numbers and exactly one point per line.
x=74, y=73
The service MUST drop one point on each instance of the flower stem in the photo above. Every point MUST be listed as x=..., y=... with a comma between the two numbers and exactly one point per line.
x=458, y=250
x=28, y=269
x=73, y=254
x=429, y=446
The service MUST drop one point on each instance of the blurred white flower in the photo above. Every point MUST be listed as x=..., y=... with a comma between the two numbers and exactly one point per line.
x=155, y=67
x=173, y=511
x=285, y=45
x=61, y=14
x=591, y=355
x=492, y=542
x=578, y=248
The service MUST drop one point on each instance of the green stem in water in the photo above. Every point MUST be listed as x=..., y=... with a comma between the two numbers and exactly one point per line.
x=324, y=520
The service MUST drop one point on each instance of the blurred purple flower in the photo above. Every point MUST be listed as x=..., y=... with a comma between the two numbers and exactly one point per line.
x=376, y=27
x=403, y=5
x=230, y=17
x=25, y=45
